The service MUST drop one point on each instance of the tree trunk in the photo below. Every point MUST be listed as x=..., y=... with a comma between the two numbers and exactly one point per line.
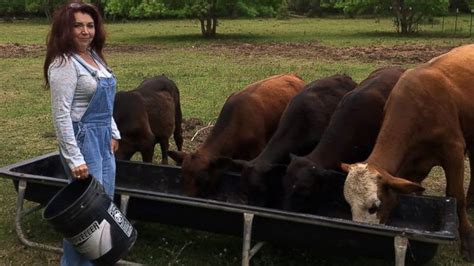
x=209, y=20
x=401, y=20
x=315, y=8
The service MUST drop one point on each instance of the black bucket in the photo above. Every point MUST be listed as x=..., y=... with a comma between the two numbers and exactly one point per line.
x=86, y=216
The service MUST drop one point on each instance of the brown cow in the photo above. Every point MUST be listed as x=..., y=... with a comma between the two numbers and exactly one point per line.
x=148, y=115
x=301, y=126
x=349, y=137
x=429, y=120
x=246, y=122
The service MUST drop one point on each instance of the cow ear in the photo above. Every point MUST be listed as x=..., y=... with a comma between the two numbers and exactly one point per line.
x=293, y=156
x=401, y=185
x=177, y=156
x=277, y=170
x=239, y=164
x=227, y=164
x=346, y=167
x=334, y=176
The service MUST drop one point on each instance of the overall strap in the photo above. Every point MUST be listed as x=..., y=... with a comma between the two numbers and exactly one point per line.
x=91, y=71
x=97, y=57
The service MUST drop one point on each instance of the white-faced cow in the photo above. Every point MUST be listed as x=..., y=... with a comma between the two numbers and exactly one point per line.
x=349, y=137
x=429, y=120
x=148, y=115
x=301, y=126
x=246, y=122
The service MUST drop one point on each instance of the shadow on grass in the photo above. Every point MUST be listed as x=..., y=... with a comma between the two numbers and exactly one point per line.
x=227, y=38
x=198, y=38
x=416, y=35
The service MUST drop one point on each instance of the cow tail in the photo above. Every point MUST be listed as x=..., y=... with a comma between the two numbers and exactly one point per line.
x=178, y=118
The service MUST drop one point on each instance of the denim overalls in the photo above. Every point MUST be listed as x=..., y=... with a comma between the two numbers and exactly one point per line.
x=93, y=135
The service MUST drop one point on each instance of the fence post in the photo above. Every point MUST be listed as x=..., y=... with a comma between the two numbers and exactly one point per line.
x=456, y=21
x=470, y=26
x=442, y=25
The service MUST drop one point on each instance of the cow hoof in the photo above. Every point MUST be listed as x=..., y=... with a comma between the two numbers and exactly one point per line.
x=467, y=246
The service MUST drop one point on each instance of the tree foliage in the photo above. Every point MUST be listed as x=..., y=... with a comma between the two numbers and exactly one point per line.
x=408, y=14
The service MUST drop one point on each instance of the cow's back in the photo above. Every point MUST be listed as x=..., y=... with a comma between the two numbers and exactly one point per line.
x=307, y=116
x=352, y=131
x=249, y=117
x=456, y=71
x=161, y=100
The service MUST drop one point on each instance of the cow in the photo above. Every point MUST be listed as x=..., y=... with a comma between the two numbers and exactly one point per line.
x=147, y=115
x=349, y=137
x=301, y=126
x=246, y=122
x=429, y=121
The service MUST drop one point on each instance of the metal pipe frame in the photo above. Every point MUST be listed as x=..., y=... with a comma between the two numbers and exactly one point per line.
x=400, y=244
x=21, y=213
x=248, y=253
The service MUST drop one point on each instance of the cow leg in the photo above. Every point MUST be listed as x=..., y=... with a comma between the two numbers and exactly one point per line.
x=147, y=153
x=470, y=191
x=178, y=137
x=454, y=170
x=165, y=145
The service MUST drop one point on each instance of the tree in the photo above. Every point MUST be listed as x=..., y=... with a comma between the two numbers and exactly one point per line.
x=205, y=11
x=408, y=13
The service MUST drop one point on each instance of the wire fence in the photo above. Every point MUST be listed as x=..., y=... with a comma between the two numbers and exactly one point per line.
x=459, y=25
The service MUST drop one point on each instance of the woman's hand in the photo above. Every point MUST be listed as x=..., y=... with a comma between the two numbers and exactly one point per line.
x=80, y=172
x=114, y=145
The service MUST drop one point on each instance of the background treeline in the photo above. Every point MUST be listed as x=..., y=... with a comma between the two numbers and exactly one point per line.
x=156, y=9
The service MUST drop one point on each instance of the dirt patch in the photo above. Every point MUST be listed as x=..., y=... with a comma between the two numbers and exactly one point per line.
x=195, y=132
x=395, y=54
x=34, y=50
x=21, y=50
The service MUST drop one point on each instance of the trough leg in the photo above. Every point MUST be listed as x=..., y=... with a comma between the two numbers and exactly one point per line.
x=20, y=213
x=400, y=243
x=248, y=253
x=248, y=219
x=124, y=203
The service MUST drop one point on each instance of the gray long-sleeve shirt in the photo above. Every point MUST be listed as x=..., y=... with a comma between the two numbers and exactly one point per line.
x=72, y=88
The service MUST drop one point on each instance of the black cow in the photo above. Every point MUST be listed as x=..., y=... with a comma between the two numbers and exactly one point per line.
x=349, y=137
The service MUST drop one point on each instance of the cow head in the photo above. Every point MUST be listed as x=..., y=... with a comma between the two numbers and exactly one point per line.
x=262, y=183
x=372, y=193
x=307, y=185
x=201, y=173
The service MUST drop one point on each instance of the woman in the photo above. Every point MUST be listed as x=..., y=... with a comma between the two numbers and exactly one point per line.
x=82, y=96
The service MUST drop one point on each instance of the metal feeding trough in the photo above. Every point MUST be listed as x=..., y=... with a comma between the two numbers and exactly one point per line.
x=148, y=192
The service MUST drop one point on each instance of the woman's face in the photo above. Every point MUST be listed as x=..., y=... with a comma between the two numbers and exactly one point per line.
x=84, y=31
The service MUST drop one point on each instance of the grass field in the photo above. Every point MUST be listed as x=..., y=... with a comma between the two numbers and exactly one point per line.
x=206, y=72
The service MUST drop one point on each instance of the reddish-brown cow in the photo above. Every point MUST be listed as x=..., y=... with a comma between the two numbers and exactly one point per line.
x=246, y=122
x=429, y=120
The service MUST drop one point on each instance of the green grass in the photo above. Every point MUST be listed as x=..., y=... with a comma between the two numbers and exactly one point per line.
x=205, y=76
x=337, y=31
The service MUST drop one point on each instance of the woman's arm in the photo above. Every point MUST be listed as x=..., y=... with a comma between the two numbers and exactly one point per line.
x=63, y=82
